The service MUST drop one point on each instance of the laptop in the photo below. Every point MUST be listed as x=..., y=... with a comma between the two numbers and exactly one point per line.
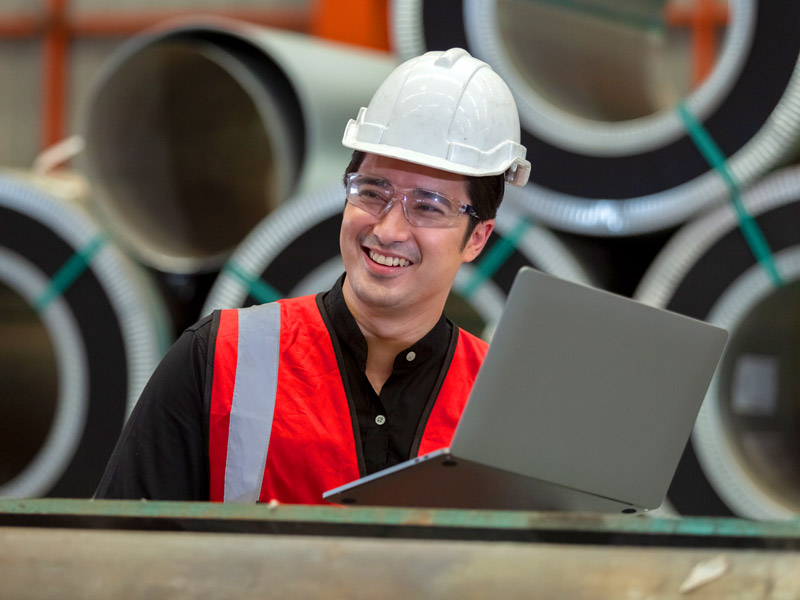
x=584, y=402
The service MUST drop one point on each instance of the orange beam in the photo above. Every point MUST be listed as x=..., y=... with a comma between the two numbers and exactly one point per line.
x=128, y=23
x=120, y=24
x=21, y=27
x=361, y=22
x=704, y=17
x=56, y=42
x=57, y=28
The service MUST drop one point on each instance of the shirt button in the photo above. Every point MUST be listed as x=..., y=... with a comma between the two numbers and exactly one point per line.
x=380, y=419
x=411, y=356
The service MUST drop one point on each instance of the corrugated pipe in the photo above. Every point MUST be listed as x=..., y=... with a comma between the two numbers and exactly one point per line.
x=82, y=329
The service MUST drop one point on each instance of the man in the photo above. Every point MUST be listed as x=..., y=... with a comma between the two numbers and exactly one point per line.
x=285, y=400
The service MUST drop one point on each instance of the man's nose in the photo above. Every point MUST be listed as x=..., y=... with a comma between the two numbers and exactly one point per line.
x=392, y=225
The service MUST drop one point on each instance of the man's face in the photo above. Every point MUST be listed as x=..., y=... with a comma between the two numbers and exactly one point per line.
x=426, y=258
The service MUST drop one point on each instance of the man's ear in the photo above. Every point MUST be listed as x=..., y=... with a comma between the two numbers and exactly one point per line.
x=477, y=239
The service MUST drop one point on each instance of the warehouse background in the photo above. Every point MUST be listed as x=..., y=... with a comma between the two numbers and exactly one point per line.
x=195, y=166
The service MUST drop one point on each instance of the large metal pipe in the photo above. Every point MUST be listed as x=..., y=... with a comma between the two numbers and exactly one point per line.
x=610, y=130
x=198, y=128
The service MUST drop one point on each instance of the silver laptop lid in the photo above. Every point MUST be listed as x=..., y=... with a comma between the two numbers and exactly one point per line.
x=588, y=389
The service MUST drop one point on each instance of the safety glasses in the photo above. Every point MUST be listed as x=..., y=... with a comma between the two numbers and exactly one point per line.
x=422, y=208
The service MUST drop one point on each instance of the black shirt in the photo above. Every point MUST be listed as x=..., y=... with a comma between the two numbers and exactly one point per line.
x=162, y=453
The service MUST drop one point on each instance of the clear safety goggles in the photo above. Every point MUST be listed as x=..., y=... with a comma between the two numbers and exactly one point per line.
x=422, y=208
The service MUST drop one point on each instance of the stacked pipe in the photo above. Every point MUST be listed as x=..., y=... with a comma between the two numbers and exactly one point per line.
x=623, y=157
x=82, y=329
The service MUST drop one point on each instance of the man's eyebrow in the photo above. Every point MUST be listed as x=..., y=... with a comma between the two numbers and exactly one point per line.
x=377, y=180
x=428, y=193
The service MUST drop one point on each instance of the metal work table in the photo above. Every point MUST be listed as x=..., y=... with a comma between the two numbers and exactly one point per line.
x=102, y=549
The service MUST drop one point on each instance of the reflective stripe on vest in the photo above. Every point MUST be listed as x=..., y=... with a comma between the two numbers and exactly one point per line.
x=251, y=398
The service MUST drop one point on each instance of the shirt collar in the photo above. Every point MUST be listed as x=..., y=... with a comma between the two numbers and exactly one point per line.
x=432, y=345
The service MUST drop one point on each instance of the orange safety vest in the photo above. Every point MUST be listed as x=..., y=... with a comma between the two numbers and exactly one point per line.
x=280, y=423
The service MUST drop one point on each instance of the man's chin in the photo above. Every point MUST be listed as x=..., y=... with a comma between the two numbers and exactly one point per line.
x=380, y=293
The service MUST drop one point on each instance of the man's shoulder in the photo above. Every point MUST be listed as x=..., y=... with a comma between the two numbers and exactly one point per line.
x=265, y=307
x=295, y=311
x=472, y=342
x=202, y=325
x=200, y=329
x=301, y=308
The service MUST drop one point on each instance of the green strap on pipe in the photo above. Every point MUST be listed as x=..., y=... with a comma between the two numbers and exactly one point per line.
x=69, y=272
x=495, y=257
x=257, y=288
x=713, y=154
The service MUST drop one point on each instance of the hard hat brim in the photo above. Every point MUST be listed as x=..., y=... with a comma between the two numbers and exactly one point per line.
x=516, y=171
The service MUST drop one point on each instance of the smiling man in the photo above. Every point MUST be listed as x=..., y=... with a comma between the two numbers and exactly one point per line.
x=401, y=252
x=286, y=400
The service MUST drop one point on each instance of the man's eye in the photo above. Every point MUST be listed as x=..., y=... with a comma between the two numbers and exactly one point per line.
x=429, y=207
x=371, y=194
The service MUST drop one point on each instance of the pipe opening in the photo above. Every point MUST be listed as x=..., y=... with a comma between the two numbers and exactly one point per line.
x=190, y=148
x=29, y=381
x=760, y=388
x=602, y=61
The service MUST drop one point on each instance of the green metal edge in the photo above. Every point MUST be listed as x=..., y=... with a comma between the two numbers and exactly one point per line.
x=434, y=518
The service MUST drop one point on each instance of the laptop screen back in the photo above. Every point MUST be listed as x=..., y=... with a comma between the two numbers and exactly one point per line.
x=588, y=389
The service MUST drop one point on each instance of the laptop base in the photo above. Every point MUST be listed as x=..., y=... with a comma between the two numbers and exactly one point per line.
x=441, y=480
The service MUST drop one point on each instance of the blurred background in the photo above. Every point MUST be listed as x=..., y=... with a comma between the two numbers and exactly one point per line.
x=162, y=159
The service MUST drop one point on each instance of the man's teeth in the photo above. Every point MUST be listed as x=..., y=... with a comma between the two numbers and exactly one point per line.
x=391, y=261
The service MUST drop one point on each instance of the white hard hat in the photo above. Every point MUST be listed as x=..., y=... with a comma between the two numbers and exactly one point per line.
x=445, y=110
